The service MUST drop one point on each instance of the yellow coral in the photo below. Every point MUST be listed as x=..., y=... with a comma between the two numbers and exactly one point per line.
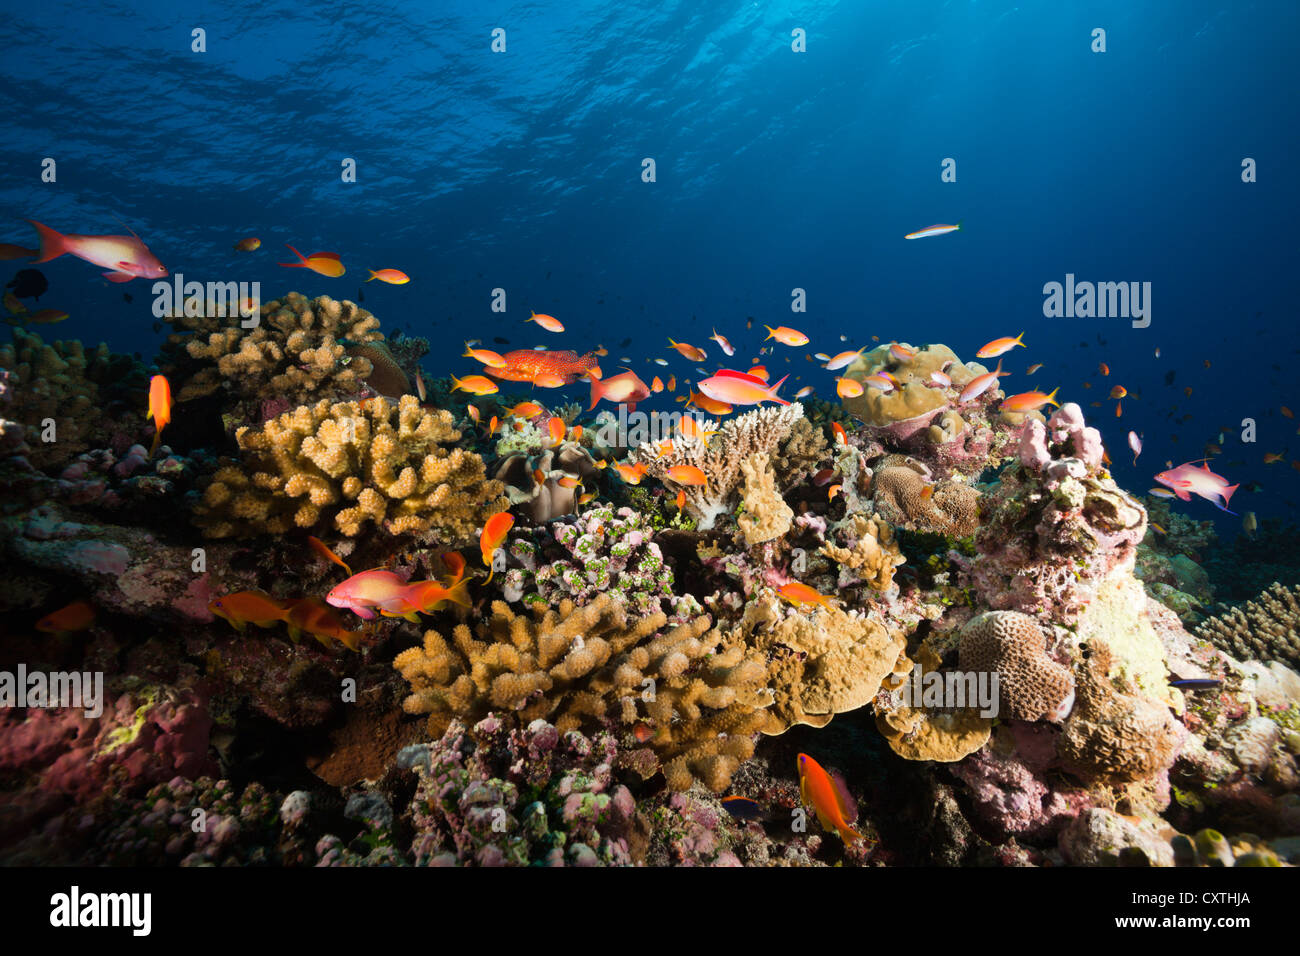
x=766, y=514
x=916, y=397
x=873, y=552
x=351, y=465
x=701, y=692
x=50, y=384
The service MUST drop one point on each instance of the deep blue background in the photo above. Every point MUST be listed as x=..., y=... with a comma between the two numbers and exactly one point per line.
x=775, y=170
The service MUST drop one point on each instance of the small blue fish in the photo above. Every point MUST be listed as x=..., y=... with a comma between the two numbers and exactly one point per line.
x=743, y=808
x=1197, y=683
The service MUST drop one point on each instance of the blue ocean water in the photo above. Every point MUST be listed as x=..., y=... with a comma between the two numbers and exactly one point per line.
x=775, y=170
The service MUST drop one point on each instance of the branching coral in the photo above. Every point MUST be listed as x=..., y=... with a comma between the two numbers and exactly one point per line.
x=766, y=515
x=54, y=400
x=799, y=454
x=756, y=432
x=347, y=465
x=1031, y=686
x=1267, y=630
x=702, y=694
x=870, y=550
x=299, y=351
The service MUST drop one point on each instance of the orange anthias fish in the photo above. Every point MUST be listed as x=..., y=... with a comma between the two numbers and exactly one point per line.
x=657, y=385
x=76, y=616
x=738, y=388
x=841, y=438
x=1103, y=368
x=626, y=389
x=711, y=405
x=127, y=257
x=549, y=322
x=494, y=534
x=688, y=352
x=1287, y=412
x=801, y=595
x=486, y=356
x=846, y=387
x=1028, y=401
x=311, y=615
x=786, y=335
x=322, y=263
x=474, y=384
x=391, y=276
x=632, y=474
x=556, y=428
x=251, y=244
x=759, y=371
x=526, y=365
x=525, y=410
x=250, y=607
x=828, y=798
x=1119, y=391
x=324, y=550
x=1000, y=346
x=160, y=408
x=687, y=475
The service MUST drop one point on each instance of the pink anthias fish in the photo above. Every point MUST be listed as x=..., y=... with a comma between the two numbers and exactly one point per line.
x=126, y=257
x=740, y=388
x=1135, y=443
x=1187, y=480
x=385, y=591
x=981, y=384
x=626, y=389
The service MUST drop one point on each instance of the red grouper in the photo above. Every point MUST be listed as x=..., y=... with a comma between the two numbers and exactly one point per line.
x=526, y=365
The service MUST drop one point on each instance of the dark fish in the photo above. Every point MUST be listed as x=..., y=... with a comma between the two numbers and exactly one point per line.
x=1169, y=376
x=1199, y=683
x=126, y=297
x=29, y=284
x=1253, y=487
x=500, y=341
x=1083, y=345
x=743, y=808
x=625, y=343
x=361, y=294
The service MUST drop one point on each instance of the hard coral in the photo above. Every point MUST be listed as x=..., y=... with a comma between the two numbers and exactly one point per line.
x=1267, y=630
x=347, y=465
x=899, y=494
x=1031, y=685
x=720, y=458
x=298, y=351
x=766, y=515
x=870, y=550
x=701, y=693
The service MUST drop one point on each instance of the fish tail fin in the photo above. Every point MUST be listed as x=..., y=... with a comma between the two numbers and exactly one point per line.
x=959, y=222
x=1227, y=493
x=53, y=242
x=373, y=277
x=997, y=372
x=597, y=390
x=153, y=449
x=293, y=265
x=351, y=640
x=458, y=593
x=770, y=331
x=1052, y=398
x=849, y=835
x=1019, y=342
x=772, y=391
x=491, y=571
x=456, y=383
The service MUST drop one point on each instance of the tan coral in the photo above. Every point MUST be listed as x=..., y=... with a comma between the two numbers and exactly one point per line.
x=766, y=515
x=702, y=692
x=299, y=351
x=720, y=458
x=1267, y=630
x=900, y=496
x=916, y=398
x=349, y=466
x=941, y=736
x=1031, y=686
x=1115, y=733
x=820, y=664
x=50, y=385
x=799, y=454
x=872, y=550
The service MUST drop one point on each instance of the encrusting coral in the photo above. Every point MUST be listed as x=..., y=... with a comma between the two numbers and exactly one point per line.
x=700, y=693
x=1267, y=630
x=346, y=466
x=870, y=550
x=302, y=350
x=720, y=458
x=766, y=515
x=1031, y=686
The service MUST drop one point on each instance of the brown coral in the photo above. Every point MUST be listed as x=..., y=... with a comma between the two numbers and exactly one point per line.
x=1031, y=686
x=766, y=515
x=943, y=736
x=798, y=454
x=1267, y=630
x=871, y=550
x=901, y=497
x=820, y=664
x=720, y=458
x=702, y=693
x=347, y=465
x=298, y=352
x=917, y=398
x=1116, y=734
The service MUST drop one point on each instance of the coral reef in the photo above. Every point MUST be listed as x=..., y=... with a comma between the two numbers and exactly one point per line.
x=1268, y=629
x=903, y=494
x=348, y=466
x=766, y=515
x=564, y=469
x=1031, y=685
x=870, y=551
x=699, y=693
x=758, y=432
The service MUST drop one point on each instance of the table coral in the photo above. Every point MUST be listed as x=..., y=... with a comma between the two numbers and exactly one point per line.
x=701, y=692
x=1267, y=630
x=299, y=351
x=766, y=516
x=345, y=466
x=758, y=432
x=1031, y=685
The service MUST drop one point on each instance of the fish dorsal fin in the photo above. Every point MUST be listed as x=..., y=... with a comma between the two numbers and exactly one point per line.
x=325, y=255
x=125, y=226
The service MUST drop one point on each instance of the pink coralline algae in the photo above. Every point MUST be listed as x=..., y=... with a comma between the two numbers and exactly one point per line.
x=1012, y=794
x=1055, y=526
